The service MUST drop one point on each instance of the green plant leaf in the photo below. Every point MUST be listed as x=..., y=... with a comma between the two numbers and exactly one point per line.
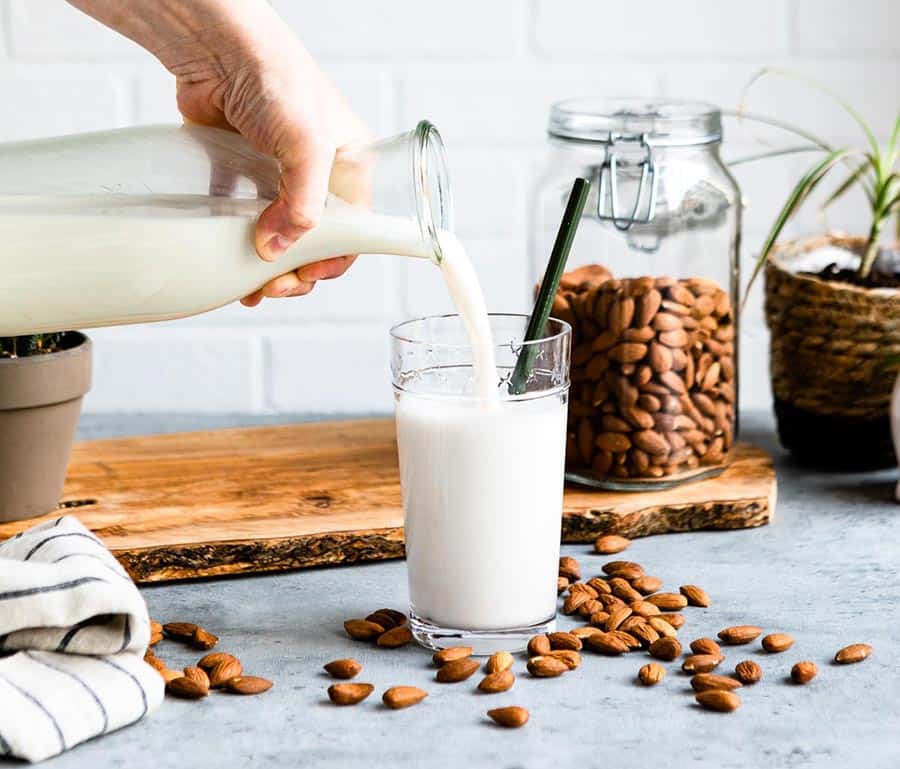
x=852, y=180
x=798, y=195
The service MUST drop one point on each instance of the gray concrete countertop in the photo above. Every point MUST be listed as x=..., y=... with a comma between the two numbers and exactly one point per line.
x=826, y=571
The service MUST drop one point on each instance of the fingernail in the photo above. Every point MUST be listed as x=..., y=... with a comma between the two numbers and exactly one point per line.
x=276, y=246
x=307, y=273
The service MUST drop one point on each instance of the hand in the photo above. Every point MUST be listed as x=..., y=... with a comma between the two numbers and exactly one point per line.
x=238, y=66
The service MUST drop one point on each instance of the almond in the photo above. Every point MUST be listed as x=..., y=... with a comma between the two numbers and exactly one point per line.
x=510, y=717
x=600, y=585
x=501, y=681
x=344, y=669
x=625, y=569
x=622, y=589
x=740, y=634
x=450, y=654
x=546, y=667
x=249, y=685
x=748, y=672
x=651, y=673
x=568, y=567
x=498, y=662
x=704, y=681
x=610, y=601
x=853, y=653
x=363, y=629
x=395, y=637
x=571, y=658
x=644, y=608
x=582, y=587
x=777, y=642
x=156, y=628
x=667, y=601
x=590, y=608
x=170, y=675
x=398, y=697
x=561, y=584
x=661, y=626
x=384, y=618
x=538, y=646
x=186, y=688
x=701, y=663
x=179, y=631
x=719, y=700
x=804, y=672
x=561, y=640
x=611, y=543
x=646, y=584
x=706, y=646
x=586, y=631
x=222, y=672
x=644, y=633
x=675, y=620
x=198, y=675
x=574, y=601
x=665, y=648
x=617, y=617
x=209, y=661
x=155, y=638
x=348, y=694
x=629, y=640
x=457, y=670
x=203, y=639
x=696, y=596
x=155, y=662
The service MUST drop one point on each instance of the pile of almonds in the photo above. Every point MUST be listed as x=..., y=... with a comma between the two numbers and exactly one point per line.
x=653, y=373
x=215, y=670
x=623, y=610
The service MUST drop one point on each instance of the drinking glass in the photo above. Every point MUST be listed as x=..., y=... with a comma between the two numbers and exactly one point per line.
x=482, y=482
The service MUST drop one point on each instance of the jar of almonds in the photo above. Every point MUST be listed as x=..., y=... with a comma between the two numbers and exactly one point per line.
x=652, y=289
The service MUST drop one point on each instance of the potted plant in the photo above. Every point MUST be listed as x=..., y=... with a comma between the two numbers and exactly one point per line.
x=42, y=381
x=832, y=305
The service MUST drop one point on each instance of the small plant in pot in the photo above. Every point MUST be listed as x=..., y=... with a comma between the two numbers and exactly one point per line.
x=832, y=305
x=42, y=381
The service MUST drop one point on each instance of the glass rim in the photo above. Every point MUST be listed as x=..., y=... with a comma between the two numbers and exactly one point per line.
x=565, y=330
x=433, y=215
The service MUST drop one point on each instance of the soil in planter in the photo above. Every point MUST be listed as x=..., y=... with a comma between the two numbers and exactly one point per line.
x=834, y=274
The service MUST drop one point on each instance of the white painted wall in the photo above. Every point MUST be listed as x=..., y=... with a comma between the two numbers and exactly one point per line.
x=485, y=72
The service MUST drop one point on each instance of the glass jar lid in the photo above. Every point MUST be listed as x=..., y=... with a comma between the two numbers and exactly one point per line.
x=661, y=123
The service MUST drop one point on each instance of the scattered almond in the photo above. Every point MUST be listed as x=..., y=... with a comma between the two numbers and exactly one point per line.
x=617, y=617
x=777, y=642
x=510, y=717
x=546, y=667
x=665, y=648
x=720, y=700
x=170, y=675
x=498, y=662
x=348, y=694
x=344, y=669
x=582, y=587
x=569, y=568
x=629, y=640
x=561, y=584
x=155, y=627
x=622, y=589
x=363, y=629
x=224, y=671
x=675, y=620
x=155, y=638
x=570, y=657
x=574, y=601
x=153, y=661
x=256, y=685
x=398, y=697
x=651, y=673
x=625, y=569
x=644, y=633
x=203, y=639
x=611, y=543
x=209, y=661
x=646, y=584
x=186, y=688
x=538, y=645
x=387, y=618
x=644, y=608
x=179, y=631
x=804, y=672
x=701, y=663
x=704, y=681
x=853, y=653
x=198, y=675
x=695, y=596
x=667, y=601
x=450, y=654
x=606, y=643
x=748, y=672
x=662, y=626
x=457, y=670
x=501, y=681
x=740, y=634
x=599, y=584
x=706, y=646
x=586, y=630
x=395, y=637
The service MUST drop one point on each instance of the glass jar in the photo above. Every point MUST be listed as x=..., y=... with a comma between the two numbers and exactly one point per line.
x=651, y=292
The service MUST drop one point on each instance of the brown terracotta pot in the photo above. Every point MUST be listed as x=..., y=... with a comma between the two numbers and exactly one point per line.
x=40, y=401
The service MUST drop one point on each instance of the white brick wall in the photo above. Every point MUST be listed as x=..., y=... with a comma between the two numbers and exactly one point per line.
x=485, y=72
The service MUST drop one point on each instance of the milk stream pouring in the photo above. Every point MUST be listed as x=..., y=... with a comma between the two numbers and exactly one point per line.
x=154, y=223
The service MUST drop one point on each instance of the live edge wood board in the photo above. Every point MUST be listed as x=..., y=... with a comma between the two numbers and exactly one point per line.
x=204, y=504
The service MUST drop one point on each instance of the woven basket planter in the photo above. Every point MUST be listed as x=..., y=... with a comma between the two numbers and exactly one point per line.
x=829, y=352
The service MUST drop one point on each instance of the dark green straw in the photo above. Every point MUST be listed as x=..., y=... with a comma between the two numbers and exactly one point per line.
x=555, y=268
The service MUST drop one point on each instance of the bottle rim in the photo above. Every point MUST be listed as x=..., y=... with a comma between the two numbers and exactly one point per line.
x=434, y=200
x=656, y=122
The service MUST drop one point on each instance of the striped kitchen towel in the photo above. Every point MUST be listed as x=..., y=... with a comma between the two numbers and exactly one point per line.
x=74, y=627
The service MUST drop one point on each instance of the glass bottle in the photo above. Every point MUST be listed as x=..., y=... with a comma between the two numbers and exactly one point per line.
x=651, y=291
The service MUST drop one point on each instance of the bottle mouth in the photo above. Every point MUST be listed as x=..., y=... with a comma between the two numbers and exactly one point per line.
x=434, y=202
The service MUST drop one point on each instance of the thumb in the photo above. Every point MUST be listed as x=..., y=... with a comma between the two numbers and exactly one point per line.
x=300, y=202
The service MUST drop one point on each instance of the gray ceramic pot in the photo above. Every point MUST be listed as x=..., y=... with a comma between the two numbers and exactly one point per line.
x=40, y=401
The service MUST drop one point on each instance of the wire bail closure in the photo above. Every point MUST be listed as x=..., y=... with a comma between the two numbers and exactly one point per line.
x=644, y=208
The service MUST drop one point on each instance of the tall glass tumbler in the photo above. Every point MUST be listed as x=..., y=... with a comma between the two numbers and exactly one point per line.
x=482, y=482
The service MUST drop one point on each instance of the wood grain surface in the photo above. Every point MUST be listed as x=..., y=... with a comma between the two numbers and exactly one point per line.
x=244, y=500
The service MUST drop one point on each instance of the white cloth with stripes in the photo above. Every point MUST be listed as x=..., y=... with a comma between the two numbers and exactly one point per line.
x=75, y=628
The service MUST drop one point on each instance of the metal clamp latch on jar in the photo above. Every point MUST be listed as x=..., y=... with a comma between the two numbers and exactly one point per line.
x=644, y=206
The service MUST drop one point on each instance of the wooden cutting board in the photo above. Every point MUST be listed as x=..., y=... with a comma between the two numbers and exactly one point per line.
x=259, y=499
